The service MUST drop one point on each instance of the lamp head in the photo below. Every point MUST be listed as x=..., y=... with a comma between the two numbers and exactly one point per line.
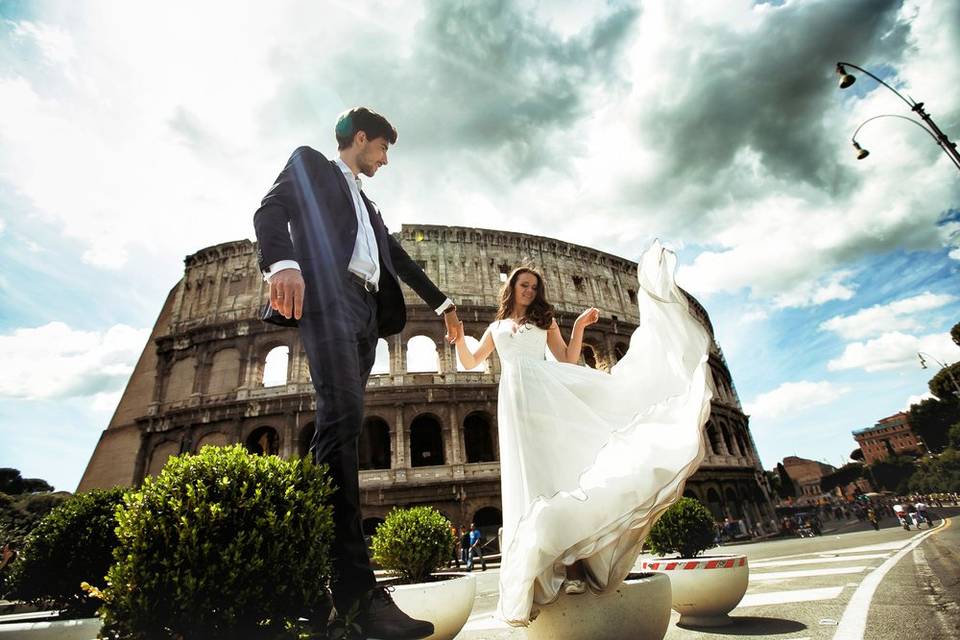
x=861, y=152
x=845, y=78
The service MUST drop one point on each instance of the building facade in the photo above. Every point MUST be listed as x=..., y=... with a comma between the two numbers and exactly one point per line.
x=430, y=432
x=806, y=475
x=891, y=436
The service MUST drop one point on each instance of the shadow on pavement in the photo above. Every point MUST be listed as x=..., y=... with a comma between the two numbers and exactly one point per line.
x=752, y=626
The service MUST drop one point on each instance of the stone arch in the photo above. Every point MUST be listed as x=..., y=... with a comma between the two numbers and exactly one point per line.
x=741, y=442
x=276, y=367
x=589, y=354
x=305, y=439
x=732, y=501
x=422, y=355
x=488, y=520
x=691, y=493
x=381, y=366
x=727, y=438
x=426, y=441
x=162, y=452
x=370, y=525
x=213, y=439
x=224, y=371
x=713, y=436
x=180, y=379
x=374, y=445
x=263, y=441
x=715, y=503
x=478, y=437
x=619, y=350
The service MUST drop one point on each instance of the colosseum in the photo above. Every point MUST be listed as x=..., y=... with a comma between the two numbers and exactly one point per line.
x=213, y=373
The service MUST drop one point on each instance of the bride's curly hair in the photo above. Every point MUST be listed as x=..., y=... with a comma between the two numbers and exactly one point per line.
x=539, y=313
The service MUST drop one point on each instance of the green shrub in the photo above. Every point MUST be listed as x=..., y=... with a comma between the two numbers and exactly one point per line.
x=72, y=544
x=222, y=544
x=412, y=543
x=686, y=528
x=19, y=514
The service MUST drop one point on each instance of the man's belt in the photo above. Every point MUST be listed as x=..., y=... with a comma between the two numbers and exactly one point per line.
x=362, y=282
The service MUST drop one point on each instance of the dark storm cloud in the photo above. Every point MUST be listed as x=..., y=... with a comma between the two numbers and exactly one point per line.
x=766, y=90
x=480, y=76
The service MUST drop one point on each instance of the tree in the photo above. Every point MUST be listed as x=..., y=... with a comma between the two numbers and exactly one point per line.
x=785, y=487
x=955, y=334
x=944, y=384
x=857, y=454
x=843, y=476
x=12, y=484
x=932, y=419
x=938, y=474
x=893, y=473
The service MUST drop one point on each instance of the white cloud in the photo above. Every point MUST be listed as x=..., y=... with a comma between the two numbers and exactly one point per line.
x=884, y=318
x=55, y=361
x=55, y=44
x=894, y=350
x=912, y=400
x=794, y=397
x=809, y=294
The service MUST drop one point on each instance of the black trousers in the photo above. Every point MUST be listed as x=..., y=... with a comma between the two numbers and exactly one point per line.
x=341, y=344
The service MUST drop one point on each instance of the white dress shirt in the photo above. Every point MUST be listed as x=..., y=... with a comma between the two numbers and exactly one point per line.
x=365, y=261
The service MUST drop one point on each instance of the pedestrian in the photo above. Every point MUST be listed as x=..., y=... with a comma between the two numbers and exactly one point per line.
x=475, y=539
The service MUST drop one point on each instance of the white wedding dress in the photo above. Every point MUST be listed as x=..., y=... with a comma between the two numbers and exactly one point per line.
x=589, y=459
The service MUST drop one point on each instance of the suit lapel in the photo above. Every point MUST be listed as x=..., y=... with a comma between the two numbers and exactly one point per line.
x=342, y=181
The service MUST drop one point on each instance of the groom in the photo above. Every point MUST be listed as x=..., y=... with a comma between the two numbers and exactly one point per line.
x=334, y=269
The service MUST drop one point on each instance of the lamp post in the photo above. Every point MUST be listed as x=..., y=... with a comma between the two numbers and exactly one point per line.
x=943, y=367
x=928, y=125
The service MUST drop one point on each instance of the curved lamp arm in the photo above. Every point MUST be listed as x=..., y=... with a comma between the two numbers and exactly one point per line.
x=841, y=70
x=893, y=115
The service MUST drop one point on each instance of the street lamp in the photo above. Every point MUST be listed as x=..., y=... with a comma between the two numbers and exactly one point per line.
x=943, y=367
x=950, y=148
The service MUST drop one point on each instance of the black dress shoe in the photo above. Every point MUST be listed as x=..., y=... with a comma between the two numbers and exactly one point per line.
x=383, y=619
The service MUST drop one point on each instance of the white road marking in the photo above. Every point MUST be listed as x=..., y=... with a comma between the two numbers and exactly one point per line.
x=784, y=597
x=854, y=620
x=793, y=563
x=808, y=573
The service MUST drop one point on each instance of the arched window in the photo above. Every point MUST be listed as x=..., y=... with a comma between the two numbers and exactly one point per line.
x=733, y=503
x=715, y=443
x=619, y=350
x=224, y=371
x=381, y=365
x=728, y=439
x=426, y=441
x=305, y=439
x=422, y=355
x=715, y=504
x=589, y=356
x=275, y=367
x=180, y=382
x=489, y=520
x=161, y=453
x=263, y=442
x=478, y=437
x=473, y=344
x=374, y=445
x=214, y=439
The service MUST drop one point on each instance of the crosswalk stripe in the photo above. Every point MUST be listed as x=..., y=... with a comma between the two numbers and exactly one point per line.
x=793, y=563
x=808, y=573
x=784, y=597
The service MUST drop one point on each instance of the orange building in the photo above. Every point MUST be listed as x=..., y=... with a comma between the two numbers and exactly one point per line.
x=891, y=436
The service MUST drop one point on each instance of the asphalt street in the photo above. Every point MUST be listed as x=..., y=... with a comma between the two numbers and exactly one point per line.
x=851, y=583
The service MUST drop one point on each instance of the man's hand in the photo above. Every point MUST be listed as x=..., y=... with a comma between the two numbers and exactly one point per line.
x=286, y=293
x=454, y=326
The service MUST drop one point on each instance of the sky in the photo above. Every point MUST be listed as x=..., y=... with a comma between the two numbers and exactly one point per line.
x=133, y=134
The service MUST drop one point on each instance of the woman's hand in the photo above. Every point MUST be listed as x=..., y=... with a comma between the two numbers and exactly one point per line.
x=588, y=317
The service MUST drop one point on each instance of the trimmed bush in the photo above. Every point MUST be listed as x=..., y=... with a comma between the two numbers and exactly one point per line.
x=686, y=528
x=72, y=544
x=412, y=543
x=222, y=544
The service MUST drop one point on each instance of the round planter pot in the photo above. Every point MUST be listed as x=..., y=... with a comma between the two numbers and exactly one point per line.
x=82, y=629
x=638, y=609
x=705, y=590
x=446, y=603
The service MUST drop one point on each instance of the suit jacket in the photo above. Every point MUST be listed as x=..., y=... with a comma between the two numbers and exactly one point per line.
x=311, y=195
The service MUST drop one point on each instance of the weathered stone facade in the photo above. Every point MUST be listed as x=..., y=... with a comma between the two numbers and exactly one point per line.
x=429, y=437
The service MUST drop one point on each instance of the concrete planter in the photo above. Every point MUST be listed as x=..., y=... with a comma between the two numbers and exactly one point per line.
x=705, y=590
x=638, y=609
x=446, y=603
x=82, y=629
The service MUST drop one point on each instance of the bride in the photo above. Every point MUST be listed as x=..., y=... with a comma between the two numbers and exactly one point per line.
x=590, y=459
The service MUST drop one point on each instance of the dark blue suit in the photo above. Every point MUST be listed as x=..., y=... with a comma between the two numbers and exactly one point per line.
x=339, y=328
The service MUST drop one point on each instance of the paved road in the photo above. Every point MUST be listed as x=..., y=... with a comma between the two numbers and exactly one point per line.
x=852, y=583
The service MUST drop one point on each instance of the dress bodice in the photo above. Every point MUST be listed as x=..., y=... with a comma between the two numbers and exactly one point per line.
x=515, y=341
